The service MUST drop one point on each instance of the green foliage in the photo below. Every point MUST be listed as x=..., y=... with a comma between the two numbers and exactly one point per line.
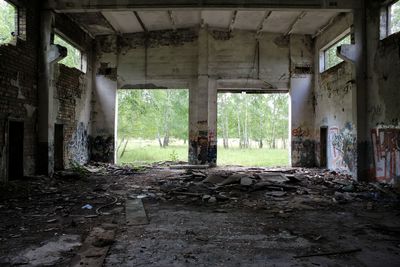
x=395, y=17
x=331, y=59
x=254, y=117
x=153, y=114
x=7, y=22
x=74, y=57
x=173, y=156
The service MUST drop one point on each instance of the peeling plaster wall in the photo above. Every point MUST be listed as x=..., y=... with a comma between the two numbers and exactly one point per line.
x=383, y=117
x=18, y=89
x=301, y=94
x=334, y=100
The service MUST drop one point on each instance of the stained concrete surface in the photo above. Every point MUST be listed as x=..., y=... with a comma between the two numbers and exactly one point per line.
x=268, y=222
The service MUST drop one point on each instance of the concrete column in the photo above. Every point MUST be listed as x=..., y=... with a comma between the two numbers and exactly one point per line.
x=198, y=150
x=212, y=121
x=193, y=131
x=361, y=98
x=45, y=164
x=49, y=54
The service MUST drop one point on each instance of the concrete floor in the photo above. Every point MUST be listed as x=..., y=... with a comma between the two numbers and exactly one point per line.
x=192, y=223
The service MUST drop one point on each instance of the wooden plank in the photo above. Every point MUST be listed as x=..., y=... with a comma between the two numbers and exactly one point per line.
x=135, y=212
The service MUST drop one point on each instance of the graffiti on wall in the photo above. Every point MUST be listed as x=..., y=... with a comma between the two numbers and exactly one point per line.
x=303, y=148
x=300, y=132
x=342, y=148
x=78, y=146
x=386, y=146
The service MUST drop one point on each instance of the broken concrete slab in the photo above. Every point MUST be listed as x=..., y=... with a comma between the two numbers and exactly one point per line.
x=273, y=177
x=190, y=167
x=135, y=212
x=95, y=248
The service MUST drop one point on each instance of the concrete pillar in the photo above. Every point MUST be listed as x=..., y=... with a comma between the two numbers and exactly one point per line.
x=361, y=98
x=45, y=164
x=49, y=54
x=212, y=121
x=199, y=130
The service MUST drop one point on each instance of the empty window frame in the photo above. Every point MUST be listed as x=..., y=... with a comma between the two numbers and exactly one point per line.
x=394, y=17
x=74, y=58
x=8, y=22
x=329, y=57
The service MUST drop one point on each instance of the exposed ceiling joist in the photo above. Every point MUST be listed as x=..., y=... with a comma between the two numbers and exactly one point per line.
x=109, y=24
x=233, y=20
x=261, y=25
x=112, y=5
x=140, y=21
x=172, y=19
x=291, y=27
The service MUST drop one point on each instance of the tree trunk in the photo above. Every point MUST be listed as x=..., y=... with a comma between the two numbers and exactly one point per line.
x=166, y=141
x=159, y=140
x=260, y=143
x=119, y=145
x=124, y=149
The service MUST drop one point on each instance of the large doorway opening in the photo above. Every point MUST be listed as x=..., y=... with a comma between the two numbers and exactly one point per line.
x=152, y=125
x=15, y=150
x=253, y=129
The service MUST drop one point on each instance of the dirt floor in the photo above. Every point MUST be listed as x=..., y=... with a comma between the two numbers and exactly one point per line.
x=231, y=216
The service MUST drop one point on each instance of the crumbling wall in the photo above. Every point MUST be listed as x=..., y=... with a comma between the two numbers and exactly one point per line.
x=383, y=117
x=73, y=95
x=18, y=87
x=334, y=103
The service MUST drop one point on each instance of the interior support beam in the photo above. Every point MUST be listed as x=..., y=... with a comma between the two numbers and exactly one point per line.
x=140, y=21
x=261, y=25
x=66, y=6
x=109, y=24
x=172, y=19
x=233, y=20
x=291, y=27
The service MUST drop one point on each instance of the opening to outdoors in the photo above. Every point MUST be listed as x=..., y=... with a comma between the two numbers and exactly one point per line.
x=74, y=57
x=330, y=57
x=253, y=129
x=8, y=27
x=152, y=125
x=394, y=17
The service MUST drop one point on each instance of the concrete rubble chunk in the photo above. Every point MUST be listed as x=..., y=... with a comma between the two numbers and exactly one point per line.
x=246, y=181
x=273, y=177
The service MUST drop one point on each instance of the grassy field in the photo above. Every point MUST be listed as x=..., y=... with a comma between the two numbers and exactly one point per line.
x=139, y=153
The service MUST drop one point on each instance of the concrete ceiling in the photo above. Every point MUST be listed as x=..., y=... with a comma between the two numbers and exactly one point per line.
x=285, y=22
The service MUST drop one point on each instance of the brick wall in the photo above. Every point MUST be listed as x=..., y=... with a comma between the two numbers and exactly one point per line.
x=18, y=87
x=73, y=93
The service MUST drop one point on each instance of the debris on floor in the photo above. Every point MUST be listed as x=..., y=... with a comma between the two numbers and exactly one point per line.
x=205, y=217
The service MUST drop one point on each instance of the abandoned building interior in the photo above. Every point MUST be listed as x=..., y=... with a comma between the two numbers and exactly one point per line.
x=64, y=200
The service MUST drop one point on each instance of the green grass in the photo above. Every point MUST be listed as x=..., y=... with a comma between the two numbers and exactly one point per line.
x=140, y=153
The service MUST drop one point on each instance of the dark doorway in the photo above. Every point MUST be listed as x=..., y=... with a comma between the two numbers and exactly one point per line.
x=15, y=150
x=323, y=146
x=58, y=147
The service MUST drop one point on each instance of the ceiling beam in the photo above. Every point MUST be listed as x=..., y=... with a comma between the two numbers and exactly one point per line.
x=172, y=19
x=233, y=20
x=109, y=24
x=261, y=25
x=140, y=21
x=297, y=19
x=326, y=26
x=112, y=5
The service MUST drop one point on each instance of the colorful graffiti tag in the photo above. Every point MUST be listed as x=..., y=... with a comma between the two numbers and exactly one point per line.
x=342, y=148
x=386, y=146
